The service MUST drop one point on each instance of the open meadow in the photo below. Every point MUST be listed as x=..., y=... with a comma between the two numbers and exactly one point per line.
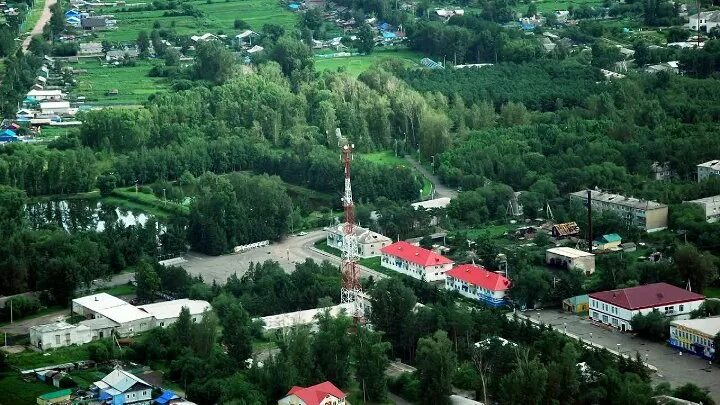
x=355, y=65
x=218, y=17
x=132, y=83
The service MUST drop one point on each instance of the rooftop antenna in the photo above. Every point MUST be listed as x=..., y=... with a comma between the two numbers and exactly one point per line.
x=548, y=211
x=351, y=289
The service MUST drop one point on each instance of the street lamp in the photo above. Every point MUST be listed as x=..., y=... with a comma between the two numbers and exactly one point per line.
x=433, y=164
x=164, y=198
x=565, y=328
x=618, y=348
x=591, y=341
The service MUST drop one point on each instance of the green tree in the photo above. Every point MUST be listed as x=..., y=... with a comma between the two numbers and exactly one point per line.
x=365, y=39
x=292, y=55
x=213, y=62
x=371, y=361
x=332, y=347
x=182, y=329
x=106, y=183
x=143, y=43
x=436, y=363
x=526, y=384
x=236, y=333
x=653, y=326
x=392, y=305
x=693, y=393
x=696, y=267
x=172, y=57
x=148, y=282
x=12, y=214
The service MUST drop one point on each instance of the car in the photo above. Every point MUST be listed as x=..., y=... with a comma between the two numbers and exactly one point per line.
x=303, y=233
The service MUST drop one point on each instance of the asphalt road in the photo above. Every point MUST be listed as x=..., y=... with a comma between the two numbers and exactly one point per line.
x=671, y=366
x=38, y=28
x=288, y=252
x=440, y=189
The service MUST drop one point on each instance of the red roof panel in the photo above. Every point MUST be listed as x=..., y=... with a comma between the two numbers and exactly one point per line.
x=415, y=254
x=479, y=276
x=317, y=393
x=646, y=296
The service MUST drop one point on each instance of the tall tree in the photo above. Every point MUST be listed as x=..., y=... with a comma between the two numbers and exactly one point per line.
x=696, y=267
x=148, y=282
x=365, y=39
x=236, y=334
x=436, y=363
x=213, y=62
x=332, y=347
x=392, y=306
x=143, y=43
x=371, y=361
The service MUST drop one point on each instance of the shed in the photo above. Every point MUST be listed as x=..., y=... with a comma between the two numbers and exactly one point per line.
x=54, y=397
x=607, y=242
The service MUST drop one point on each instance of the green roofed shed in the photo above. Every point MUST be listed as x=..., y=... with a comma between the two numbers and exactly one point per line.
x=54, y=397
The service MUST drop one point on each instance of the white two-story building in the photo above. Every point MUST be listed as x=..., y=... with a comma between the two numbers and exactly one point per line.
x=475, y=282
x=617, y=307
x=416, y=262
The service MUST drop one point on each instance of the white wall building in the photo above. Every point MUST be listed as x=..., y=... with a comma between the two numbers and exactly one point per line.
x=416, y=262
x=166, y=313
x=570, y=258
x=59, y=334
x=707, y=169
x=369, y=242
x=617, y=307
x=46, y=95
x=55, y=108
x=706, y=20
x=90, y=305
x=477, y=283
x=710, y=206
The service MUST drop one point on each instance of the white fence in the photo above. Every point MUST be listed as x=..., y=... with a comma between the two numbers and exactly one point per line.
x=245, y=248
x=172, y=262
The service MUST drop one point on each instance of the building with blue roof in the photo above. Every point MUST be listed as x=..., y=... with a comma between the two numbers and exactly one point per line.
x=294, y=6
x=387, y=35
x=8, y=135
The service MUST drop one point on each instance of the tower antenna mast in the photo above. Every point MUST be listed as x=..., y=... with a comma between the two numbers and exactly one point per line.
x=351, y=288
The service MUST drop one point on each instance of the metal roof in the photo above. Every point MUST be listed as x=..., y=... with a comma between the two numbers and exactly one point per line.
x=171, y=309
x=599, y=195
x=569, y=252
x=646, y=296
x=120, y=380
x=99, y=301
x=705, y=326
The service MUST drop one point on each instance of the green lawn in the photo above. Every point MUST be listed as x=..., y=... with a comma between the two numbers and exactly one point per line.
x=16, y=391
x=219, y=16
x=133, y=84
x=30, y=359
x=118, y=290
x=385, y=158
x=492, y=231
x=554, y=5
x=355, y=65
x=148, y=203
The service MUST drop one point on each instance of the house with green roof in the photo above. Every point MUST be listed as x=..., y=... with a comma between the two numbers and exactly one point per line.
x=608, y=242
x=54, y=397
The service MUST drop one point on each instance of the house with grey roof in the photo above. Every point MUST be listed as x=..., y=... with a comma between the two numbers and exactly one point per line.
x=122, y=387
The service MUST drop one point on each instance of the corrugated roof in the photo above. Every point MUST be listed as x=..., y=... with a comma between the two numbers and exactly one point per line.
x=121, y=380
x=100, y=301
x=568, y=228
x=569, y=252
x=171, y=309
x=415, y=254
x=599, y=195
x=56, y=394
x=124, y=313
x=646, y=296
x=479, y=276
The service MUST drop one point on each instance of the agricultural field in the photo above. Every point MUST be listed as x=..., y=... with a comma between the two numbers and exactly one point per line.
x=16, y=391
x=133, y=84
x=219, y=17
x=554, y=5
x=355, y=65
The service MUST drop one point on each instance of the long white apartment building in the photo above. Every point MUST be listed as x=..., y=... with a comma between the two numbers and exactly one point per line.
x=648, y=215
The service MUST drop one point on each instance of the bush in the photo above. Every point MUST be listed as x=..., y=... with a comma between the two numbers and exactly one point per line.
x=21, y=307
x=67, y=382
x=406, y=385
x=653, y=326
x=99, y=352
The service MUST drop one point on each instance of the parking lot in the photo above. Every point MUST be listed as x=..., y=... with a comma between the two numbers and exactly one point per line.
x=671, y=366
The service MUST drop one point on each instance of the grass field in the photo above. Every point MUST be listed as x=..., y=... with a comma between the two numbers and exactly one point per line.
x=219, y=16
x=148, y=203
x=554, y=5
x=16, y=391
x=132, y=82
x=712, y=292
x=355, y=65
x=385, y=158
x=33, y=15
x=30, y=359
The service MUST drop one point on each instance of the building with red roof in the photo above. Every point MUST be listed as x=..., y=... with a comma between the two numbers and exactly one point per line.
x=478, y=283
x=617, y=307
x=414, y=261
x=325, y=393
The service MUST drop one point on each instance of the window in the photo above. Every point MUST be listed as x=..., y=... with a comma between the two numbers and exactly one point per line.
x=144, y=393
x=57, y=339
x=681, y=308
x=162, y=323
x=194, y=319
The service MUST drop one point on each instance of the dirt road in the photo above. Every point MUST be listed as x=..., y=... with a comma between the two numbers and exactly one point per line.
x=38, y=28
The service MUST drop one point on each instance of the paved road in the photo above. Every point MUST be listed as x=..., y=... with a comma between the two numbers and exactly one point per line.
x=671, y=367
x=288, y=252
x=38, y=28
x=440, y=189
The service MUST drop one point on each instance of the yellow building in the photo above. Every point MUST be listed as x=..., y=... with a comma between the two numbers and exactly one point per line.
x=578, y=305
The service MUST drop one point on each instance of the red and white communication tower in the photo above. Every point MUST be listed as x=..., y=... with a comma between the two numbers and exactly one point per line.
x=351, y=288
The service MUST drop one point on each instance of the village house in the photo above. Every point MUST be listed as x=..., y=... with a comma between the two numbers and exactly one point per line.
x=477, y=283
x=121, y=387
x=710, y=207
x=369, y=243
x=611, y=241
x=705, y=21
x=90, y=48
x=55, y=108
x=414, y=261
x=569, y=258
x=204, y=37
x=56, y=397
x=59, y=334
x=46, y=95
x=325, y=393
x=616, y=308
x=94, y=23
x=244, y=38
x=120, y=54
x=707, y=169
x=661, y=171
x=650, y=216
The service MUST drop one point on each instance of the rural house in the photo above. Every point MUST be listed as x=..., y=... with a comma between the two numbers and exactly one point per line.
x=120, y=387
x=475, y=282
x=569, y=258
x=414, y=261
x=325, y=393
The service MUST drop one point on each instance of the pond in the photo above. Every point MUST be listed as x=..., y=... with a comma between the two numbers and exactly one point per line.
x=81, y=214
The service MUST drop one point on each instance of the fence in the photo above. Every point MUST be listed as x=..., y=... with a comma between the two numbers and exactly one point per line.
x=245, y=248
